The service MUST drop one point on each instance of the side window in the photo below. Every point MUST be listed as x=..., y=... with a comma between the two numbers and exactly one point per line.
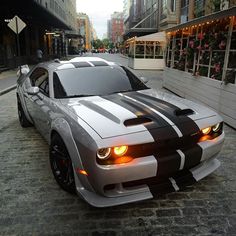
x=39, y=78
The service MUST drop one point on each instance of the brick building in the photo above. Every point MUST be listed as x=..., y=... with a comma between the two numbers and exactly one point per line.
x=116, y=28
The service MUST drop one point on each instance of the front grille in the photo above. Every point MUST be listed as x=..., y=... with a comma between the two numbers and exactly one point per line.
x=162, y=148
x=158, y=185
x=163, y=185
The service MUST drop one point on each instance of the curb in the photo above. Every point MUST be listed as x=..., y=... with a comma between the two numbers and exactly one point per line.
x=7, y=89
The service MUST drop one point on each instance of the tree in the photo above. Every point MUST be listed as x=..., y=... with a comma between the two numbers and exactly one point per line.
x=97, y=44
x=106, y=43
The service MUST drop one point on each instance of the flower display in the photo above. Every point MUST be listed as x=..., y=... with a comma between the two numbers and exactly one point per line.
x=200, y=49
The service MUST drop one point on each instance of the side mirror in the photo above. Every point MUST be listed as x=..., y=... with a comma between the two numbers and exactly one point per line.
x=144, y=79
x=33, y=90
x=23, y=70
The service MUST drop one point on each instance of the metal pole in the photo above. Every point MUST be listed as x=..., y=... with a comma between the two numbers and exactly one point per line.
x=18, y=41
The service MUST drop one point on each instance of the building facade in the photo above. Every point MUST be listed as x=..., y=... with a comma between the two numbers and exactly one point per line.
x=191, y=9
x=46, y=23
x=116, y=28
x=142, y=19
x=85, y=30
x=169, y=11
x=150, y=16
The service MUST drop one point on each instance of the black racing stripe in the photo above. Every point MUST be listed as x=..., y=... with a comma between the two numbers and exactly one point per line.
x=159, y=185
x=168, y=164
x=100, y=110
x=156, y=185
x=184, y=178
x=185, y=124
x=161, y=188
x=159, y=129
x=117, y=99
x=192, y=156
x=158, y=121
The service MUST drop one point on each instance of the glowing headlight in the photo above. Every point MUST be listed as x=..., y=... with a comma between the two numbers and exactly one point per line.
x=121, y=150
x=206, y=130
x=216, y=127
x=104, y=153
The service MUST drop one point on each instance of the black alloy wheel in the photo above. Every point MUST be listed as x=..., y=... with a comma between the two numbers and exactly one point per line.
x=21, y=115
x=61, y=164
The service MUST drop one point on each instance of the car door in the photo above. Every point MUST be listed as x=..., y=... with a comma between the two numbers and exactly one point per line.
x=30, y=100
x=38, y=105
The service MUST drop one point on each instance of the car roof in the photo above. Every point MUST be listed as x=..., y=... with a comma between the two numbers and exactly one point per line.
x=77, y=59
x=77, y=62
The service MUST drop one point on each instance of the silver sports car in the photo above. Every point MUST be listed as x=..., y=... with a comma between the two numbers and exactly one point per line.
x=112, y=139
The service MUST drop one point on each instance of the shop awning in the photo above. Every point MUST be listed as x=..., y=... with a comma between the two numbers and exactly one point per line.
x=215, y=16
x=156, y=37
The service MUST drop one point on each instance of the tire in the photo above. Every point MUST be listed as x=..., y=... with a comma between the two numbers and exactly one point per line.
x=61, y=164
x=21, y=115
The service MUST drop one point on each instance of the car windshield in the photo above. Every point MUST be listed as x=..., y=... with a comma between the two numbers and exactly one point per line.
x=92, y=81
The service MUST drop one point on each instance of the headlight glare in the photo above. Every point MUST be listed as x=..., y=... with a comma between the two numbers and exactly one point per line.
x=121, y=150
x=206, y=130
x=104, y=153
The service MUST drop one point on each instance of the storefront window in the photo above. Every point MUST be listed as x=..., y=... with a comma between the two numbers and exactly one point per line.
x=202, y=49
x=139, y=52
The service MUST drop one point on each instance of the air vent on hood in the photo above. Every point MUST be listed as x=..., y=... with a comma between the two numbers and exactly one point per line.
x=137, y=121
x=184, y=112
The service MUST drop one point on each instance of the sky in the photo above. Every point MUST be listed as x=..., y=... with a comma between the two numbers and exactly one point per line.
x=99, y=11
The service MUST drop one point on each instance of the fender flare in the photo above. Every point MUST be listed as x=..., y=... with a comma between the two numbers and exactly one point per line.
x=62, y=127
x=19, y=95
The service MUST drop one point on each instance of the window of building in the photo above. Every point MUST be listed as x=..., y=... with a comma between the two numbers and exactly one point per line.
x=184, y=11
x=173, y=5
x=199, y=8
x=163, y=9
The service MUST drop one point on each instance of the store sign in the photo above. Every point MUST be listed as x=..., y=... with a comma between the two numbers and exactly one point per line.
x=16, y=24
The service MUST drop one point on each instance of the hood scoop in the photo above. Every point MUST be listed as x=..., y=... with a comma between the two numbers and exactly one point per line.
x=137, y=121
x=184, y=112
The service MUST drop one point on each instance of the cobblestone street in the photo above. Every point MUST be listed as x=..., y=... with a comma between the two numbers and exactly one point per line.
x=31, y=202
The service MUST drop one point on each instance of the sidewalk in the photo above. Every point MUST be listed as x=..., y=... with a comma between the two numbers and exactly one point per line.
x=7, y=81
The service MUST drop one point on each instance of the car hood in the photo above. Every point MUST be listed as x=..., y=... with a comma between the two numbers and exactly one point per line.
x=130, y=112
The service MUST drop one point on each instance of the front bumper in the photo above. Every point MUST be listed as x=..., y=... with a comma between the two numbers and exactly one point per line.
x=140, y=179
x=150, y=166
x=143, y=192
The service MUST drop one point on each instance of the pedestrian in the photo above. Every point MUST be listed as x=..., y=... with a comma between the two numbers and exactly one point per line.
x=39, y=55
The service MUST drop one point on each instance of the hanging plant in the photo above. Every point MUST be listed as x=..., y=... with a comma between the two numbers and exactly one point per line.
x=200, y=36
x=194, y=44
